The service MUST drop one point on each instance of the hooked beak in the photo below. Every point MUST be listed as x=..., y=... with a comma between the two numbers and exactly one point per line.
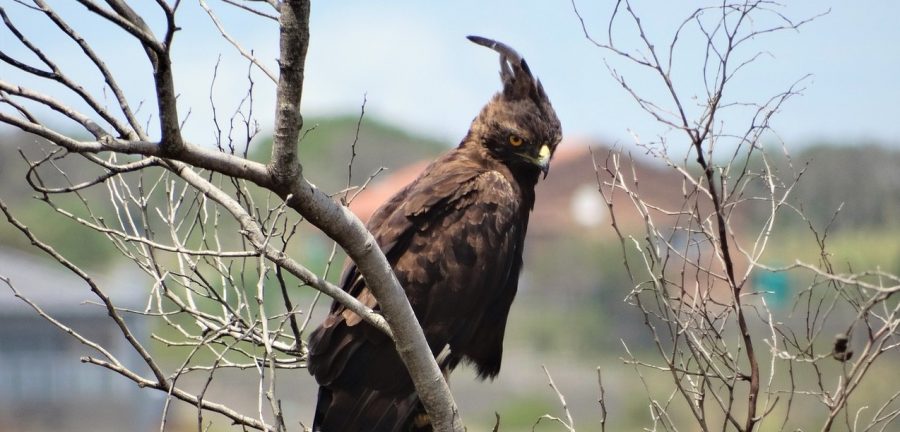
x=543, y=159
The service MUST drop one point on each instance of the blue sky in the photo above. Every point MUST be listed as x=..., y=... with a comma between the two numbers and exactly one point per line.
x=416, y=69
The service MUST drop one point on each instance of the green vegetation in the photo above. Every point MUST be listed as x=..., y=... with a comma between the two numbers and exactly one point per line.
x=327, y=147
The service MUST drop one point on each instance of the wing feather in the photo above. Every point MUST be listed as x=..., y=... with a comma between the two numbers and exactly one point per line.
x=454, y=238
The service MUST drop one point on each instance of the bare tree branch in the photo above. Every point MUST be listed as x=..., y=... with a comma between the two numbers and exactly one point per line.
x=198, y=213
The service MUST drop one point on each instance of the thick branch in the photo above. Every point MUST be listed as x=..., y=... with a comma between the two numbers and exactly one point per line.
x=288, y=121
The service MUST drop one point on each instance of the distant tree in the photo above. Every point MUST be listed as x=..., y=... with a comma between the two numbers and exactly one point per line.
x=859, y=179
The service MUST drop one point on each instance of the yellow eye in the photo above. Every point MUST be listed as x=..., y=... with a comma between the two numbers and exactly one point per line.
x=515, y=140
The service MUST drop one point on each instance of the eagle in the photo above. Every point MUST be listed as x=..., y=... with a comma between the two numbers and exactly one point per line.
x=454, y=237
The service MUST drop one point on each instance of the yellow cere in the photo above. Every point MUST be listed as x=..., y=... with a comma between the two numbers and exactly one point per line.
x=544, y=153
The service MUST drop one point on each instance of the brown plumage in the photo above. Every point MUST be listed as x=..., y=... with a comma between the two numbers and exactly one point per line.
x=454, y=237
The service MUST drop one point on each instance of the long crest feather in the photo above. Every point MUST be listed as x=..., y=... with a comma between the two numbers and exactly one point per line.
x=518, y=82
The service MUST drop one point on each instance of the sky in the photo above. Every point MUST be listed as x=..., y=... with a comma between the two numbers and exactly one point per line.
x=414, y=68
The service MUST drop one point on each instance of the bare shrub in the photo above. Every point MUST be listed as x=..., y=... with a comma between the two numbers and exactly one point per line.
x=732, y=361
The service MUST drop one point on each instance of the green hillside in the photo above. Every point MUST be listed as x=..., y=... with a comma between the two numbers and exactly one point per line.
x=325, y=153
x=328, y=145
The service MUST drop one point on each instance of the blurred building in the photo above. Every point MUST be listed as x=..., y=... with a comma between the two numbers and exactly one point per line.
x=43, y=384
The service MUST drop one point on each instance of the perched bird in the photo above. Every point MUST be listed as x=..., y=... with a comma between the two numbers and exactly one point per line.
x=454, y=237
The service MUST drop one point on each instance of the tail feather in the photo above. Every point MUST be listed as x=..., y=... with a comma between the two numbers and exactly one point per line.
x=363, y=383
x=366, y=411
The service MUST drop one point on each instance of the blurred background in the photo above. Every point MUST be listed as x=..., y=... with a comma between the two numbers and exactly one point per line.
x=420, y=83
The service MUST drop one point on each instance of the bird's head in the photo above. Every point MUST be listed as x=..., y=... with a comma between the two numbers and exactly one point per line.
x=518, y=126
